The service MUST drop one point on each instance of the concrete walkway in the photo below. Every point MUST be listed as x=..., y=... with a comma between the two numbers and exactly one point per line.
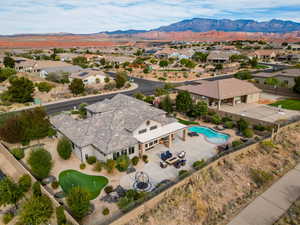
x=268, y=207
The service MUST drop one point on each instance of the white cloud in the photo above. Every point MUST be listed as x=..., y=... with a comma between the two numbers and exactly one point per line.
x=88, y=16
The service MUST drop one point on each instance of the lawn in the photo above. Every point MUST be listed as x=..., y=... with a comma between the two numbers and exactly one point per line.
x=291, y=104
x=72, y=178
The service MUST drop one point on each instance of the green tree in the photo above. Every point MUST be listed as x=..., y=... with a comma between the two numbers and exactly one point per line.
x=272, y=81
x=36, y=211
x=44, y=86
x=40, y=162
x=10, y=192
x=64, y=148
x=200, y=109
x=219, y=66
x=200, y=56
x=24, y=183
x=110, y=165
x=60, y=216
x=121, y=79
x=243, y=75
x=123, y=163
x=166, y=104
x=296, y=87
x=78, y=201
x=163, y=63
x=6, y=73
x=9, y=62
x=77, y=86
x=20, y=90
x=80, y=61
x=36, y=189
x=184, y=101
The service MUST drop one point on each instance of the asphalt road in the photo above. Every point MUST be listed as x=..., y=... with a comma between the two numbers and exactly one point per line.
x=146, y=87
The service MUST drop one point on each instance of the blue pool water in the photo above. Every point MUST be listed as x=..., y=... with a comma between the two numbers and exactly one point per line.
x=210, y=134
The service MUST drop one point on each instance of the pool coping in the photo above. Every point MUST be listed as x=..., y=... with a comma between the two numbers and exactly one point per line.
x=205, y=137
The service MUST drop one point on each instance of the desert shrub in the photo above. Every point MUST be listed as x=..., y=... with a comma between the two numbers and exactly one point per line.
x=7, y=217
x=259, y=127
x=135, y=160
x=40, y=162
x=108, y=189
x=216, y=119
x=110, y=165
x=248, y=133
x=82, y=166
x=60, y=216
x=98, y=166
x=237, y=143
x=78, y=200
x=105, y=211
x=64, y=148
x=36, y=189
x=44, y=86
x=24, y=183
x=183, y=173
x=130, y=196
x=54, y=184
x=242, y=124
x=229, y=124
x=123, y=163
x=91, y=160
x=260, y=177
x=18, y=153
x=267, y=145
x=199, y=164
x=145, y=158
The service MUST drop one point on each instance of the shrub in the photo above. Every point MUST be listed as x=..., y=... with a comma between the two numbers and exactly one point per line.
x=216, y=119
x=78, y=200
x=36, y=189
x=199, y=164
x=110, y=165
x=135, y=160
x=183, y=173
x=260, y=177
x=54, y=184
x=91, y=160
x=145, y=158
x=108, y=189
x=248, y=133
x=40, y=162
x=225, y=119
x=18, y=153
x=267, y=145
x=229, y=124
x=98, y=166
x=123, y=163
x=25, y=183
x=237, y=143
x=259, y=127
x=242, y=124
x=60, y=216
x=44, y=86
x=105, y=211
x=82, y=166
x=64, y=148
x=7, y=217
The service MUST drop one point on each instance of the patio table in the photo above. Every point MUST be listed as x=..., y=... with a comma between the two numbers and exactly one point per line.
x=172, y=160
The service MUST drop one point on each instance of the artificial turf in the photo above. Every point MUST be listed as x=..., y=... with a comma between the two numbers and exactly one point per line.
x=72, y=178
x=291, y=104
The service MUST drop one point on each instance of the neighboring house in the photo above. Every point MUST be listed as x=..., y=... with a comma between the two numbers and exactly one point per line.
x=294, y=58
x=295, y=47
x=89, y=76
x=286, y=77
x=164, y=53
x=67, y=57
x=219, y=56
x=227, y=91
x=120, y=126
x=24, y=65
x=265, y=54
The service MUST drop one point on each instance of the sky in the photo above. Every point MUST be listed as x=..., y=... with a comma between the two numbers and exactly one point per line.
x=92, y=16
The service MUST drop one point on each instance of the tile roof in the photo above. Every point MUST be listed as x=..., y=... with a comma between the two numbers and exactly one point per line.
x=283, y=73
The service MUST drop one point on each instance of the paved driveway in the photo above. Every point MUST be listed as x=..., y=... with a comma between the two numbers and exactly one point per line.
x=196, y=148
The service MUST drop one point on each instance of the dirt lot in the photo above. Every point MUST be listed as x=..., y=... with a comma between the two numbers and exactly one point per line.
x=218, y=192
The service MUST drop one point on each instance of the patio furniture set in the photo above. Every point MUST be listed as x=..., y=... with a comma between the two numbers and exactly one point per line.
x=169, y=159
x=193, y=134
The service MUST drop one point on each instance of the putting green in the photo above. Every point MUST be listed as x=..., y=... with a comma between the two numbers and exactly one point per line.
x=72, y=178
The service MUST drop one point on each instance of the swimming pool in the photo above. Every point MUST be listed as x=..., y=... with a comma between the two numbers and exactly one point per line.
x=210, y=134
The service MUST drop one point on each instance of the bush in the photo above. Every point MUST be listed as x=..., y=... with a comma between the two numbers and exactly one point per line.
x=259, y=127
x=60, y=216
x=242, y=124
x=237, y=143
x=135, y=160
x=105, y=211
x=98, y=166
x=78, y=200
x=64, y=148
x=18, y=153
x=7, y=217
x=123, y=163
x=183, y=173
x=260, y=177
x=82, y=166
x=216, y=119
x=110, y=165
x=25, y=183
x=36, y=189
x=44, y=87
x=145, y=158
x=54, y=184
x=40, y=162
x=108, y=189
x=91, y=160
x=199, y=164
x=229, y=124
x=248, y=133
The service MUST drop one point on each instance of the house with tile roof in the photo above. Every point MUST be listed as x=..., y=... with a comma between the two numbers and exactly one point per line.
x=230, y=91
x=122, y=125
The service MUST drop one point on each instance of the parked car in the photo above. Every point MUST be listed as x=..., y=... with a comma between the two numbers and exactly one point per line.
x=163, y=164
x=166, y=155
x=181, y=154
x=180, y=163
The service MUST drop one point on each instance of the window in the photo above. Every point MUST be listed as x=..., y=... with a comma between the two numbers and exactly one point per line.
x=153, y=127
x=131, y=150
x=116, y=155
x=124, y=152
x=142, y=131
x=155, y=142
x=148, y=122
